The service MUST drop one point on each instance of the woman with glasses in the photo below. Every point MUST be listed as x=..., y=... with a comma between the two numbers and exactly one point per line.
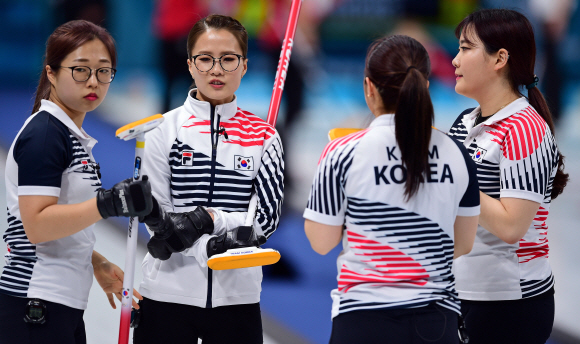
x=54, y=196
x=205, y=161
x=403, y=199
x=505, y=284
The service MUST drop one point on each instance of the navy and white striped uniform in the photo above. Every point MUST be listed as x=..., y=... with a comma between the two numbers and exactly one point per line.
x=50, y=156
x=396, y=253
x=516, y=156
x=215, y=157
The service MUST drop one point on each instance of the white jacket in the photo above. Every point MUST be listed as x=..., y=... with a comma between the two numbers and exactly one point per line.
x=215, y=157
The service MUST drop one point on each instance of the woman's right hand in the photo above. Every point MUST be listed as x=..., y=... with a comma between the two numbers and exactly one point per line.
x=176, y=232
x=110, y=278
x=126, y=198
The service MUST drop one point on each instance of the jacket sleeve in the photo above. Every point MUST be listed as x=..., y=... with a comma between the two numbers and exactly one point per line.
x=269, y=189
x=156, y=166
x=327, y=200
x=529, y=158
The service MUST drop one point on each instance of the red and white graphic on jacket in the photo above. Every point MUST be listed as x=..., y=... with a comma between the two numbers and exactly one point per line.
x=520, y=134
x=538, y=247
x=341, y=142
x=389, y=265
x=244, y=129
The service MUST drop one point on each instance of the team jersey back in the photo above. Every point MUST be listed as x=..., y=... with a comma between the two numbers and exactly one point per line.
x=396, y=253
x=516, y=157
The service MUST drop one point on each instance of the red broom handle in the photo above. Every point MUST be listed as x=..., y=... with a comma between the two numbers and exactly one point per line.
x=283, y=62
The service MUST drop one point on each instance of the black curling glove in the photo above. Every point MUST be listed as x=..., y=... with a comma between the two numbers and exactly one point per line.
x=239, y=237
x=156, y=219
x=126, y=198
x=175, y=232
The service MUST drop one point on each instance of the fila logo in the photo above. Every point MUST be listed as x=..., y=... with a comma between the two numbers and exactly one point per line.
x=243, y=163
x=479, y=154
x=187, y=158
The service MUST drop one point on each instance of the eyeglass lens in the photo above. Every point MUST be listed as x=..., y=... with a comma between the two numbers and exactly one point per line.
x=104, y=75
x=229, y=63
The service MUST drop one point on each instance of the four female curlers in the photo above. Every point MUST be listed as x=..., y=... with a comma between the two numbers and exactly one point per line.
x=403, y=198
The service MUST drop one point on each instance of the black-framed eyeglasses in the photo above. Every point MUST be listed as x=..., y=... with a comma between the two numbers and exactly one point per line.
x=105, y=75
x=228, y=62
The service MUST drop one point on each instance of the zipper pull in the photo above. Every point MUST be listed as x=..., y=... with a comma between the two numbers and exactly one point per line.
x=222, y=131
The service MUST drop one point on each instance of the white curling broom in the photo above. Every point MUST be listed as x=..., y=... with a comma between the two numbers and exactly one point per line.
x=254, y=256
x=135, y=130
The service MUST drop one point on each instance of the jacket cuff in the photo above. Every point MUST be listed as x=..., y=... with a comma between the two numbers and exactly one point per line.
x=218, y=221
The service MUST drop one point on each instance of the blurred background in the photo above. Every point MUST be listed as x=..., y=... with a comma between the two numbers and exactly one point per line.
x=323, y=90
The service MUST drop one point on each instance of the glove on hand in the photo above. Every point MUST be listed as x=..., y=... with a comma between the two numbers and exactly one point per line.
x=239, y=237
x=126, y=198
x=175, y=232
x=158, y=248
x=156, y=220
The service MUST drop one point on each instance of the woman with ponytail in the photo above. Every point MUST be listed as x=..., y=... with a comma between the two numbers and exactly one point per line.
x=403, y=199
x=506, y=283
x=54, y=196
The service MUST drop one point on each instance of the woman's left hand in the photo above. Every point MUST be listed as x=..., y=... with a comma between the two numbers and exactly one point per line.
x=110, y=278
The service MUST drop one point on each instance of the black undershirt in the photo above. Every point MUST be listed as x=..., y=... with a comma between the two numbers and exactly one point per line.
x=480, y=119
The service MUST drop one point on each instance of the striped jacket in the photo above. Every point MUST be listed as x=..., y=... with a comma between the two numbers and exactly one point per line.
x=396, y=253
x=215, y=157
x=516, y=156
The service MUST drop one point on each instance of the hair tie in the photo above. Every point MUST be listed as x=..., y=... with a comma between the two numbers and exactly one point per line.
x=410, y=67
x=533, y=84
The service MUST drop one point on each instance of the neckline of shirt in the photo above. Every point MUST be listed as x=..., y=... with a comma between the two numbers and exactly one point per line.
x=383, y=120
x=202, y=109
x=510, y=109
x=58, y=113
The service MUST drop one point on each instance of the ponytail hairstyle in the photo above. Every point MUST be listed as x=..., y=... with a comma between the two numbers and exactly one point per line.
x=217, y=21
x=399, y=67
x=64, y=40
x=511, y=30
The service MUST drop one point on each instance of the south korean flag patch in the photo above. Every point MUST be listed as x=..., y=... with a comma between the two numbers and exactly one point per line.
x=479, y=154
x=243, y=163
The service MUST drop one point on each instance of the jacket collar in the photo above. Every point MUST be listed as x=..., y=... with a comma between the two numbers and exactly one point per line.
x=56, y=111
x=202, y=109
x=383, y=120
x=510, y=109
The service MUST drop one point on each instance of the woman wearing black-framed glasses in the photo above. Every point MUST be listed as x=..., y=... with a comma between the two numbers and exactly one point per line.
x=204, y=162
x=105, y=75
x=228, y=62
x=52, y=179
